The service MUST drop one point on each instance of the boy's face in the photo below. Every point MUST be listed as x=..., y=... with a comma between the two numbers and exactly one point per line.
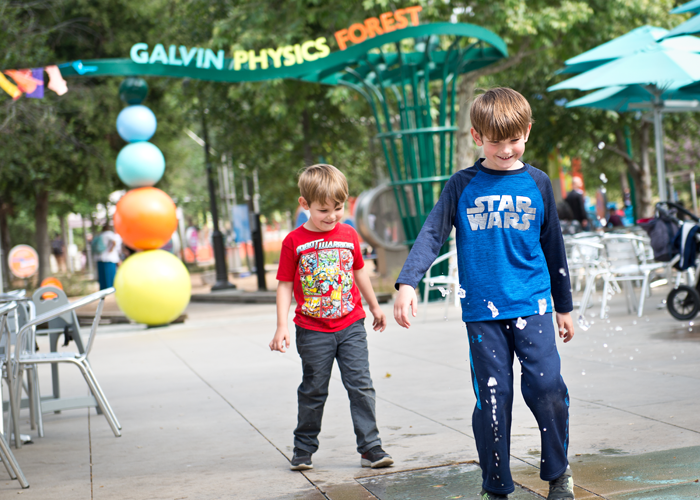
x=323, y=216
x=502, y=155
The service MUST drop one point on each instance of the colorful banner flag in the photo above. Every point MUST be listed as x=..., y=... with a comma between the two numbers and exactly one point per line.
x=24, y=79
x=38, y=75
x=56, y=81
x=9, y=87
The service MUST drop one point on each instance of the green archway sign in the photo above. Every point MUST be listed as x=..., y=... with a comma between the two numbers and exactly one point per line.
x=390, y=61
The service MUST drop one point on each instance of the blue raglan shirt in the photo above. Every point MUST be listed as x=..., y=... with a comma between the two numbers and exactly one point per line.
x=510, y=249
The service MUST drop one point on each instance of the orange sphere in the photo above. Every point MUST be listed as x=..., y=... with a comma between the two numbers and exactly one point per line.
x=145, y=218
x=51, y=281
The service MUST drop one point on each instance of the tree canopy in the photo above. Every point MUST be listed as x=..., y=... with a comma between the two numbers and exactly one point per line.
x=59, y=152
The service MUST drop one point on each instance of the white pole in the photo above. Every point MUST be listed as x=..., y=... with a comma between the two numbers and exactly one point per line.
x=2, y=279
x=659, y=147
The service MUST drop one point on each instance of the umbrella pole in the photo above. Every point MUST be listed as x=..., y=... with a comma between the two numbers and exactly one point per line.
x=659, y=147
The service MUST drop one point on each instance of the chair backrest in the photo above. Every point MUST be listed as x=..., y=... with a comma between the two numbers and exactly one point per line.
x=57, y=298
x=621, y=252
x=585, y=250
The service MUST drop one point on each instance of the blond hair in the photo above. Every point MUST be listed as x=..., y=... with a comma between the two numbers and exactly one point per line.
x=500, y=114
x=323, y=183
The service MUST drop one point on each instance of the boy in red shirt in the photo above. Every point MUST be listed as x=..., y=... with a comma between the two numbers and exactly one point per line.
x=321, y=264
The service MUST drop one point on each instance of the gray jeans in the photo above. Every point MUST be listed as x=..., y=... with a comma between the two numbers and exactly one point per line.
x=318, y=350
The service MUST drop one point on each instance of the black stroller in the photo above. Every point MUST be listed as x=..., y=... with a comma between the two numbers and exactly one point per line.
x=672, y=243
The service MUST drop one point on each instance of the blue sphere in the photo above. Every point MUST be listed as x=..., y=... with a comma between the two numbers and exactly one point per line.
x=136, y=123
x=140, y=164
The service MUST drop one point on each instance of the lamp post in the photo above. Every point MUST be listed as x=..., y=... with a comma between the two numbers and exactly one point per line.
x=222, y=282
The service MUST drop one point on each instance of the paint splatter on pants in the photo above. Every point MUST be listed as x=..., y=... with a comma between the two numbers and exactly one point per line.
x=492, y=345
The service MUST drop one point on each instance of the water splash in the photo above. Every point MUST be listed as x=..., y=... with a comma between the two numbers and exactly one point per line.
x=444, y=291
x=494, y=311
x=461, y=293
x=521, y=323
x=492, y=382
x=562, y=271
x=583, y=322
x=542, y=303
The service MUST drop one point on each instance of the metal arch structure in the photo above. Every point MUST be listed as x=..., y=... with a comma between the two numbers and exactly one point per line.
x=416, y=122
x=416, y=126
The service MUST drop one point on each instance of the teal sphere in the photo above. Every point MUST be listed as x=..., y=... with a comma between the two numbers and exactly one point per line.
x=136, y=123
x=140, y=164
x=133, y=90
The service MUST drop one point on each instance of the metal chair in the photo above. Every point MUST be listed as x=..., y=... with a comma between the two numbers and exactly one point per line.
x=23, y=357
x=626, y=263
x=8, y=459
x=48, y=298
x=450, y=281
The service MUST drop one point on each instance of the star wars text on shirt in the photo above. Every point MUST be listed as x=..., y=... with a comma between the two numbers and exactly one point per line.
x=505, y=216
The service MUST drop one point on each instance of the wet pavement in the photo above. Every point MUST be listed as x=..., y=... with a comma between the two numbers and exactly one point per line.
x=208, y=412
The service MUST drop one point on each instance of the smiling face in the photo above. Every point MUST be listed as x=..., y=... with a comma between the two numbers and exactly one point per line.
x=322, y=216
x=502, y=155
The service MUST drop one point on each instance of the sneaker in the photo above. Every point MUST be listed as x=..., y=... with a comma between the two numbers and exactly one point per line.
x=486, y=495
x=562, y=488
x=376, y=458
x=301, y=460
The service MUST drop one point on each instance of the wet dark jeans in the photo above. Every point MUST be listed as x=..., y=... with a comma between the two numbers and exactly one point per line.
x=318, y=350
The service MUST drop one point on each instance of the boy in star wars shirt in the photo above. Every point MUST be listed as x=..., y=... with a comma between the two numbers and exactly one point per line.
x=512, y=263
x=321, y=266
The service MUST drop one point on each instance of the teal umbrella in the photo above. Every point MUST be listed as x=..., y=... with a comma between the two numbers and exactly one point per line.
x=689, y=27
x=658, y=65
x=692, y=6
x=627, y=44
x=637, y=98
x=658, y=70
x=692, y=25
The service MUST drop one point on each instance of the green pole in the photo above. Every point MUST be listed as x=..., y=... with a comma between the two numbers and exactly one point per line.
x=633, y=190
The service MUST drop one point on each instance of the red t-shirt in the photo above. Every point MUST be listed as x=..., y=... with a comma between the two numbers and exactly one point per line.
x=321, y=264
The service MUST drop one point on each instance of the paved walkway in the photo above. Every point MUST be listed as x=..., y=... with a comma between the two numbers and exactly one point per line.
x=208, y=412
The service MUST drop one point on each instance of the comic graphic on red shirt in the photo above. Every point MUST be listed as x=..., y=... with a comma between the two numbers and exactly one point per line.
x=324, y=284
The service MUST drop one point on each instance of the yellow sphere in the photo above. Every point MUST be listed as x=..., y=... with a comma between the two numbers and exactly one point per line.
x=152, y=287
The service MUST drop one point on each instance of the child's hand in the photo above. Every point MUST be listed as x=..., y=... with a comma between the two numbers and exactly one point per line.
x=566, y=326
x=379, y=318
x=280, y=339
x=406, y=299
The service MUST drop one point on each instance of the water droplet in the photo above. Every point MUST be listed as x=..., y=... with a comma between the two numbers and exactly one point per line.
x=674, y=357
x=541, y=374
x=583, y=372
x=521, y=323
x=443, y=291
x=492, y=382
x=618, y=328
x=634, y=322
x=605, y=345
x=461, y=293
x=582, y=323
x=604, y=180
x=631, y=358
x=562, y=271
x=542, y=304
x=494, y=311
x=544, y=430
